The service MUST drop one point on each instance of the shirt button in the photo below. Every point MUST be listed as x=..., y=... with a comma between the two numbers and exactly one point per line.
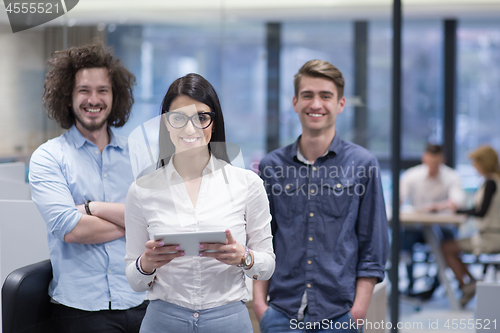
x=107, y=200
x=314, y=168
x=312, y=191
x=196, y=315
x=310, y=239
x=308, y=285
x=109, y=271
x=105, y=175
x=287, y=187
x=255, y=277
x=97, y=151
x=107, y=247
x=338, y=186
x=311, y=214
x=309, y=262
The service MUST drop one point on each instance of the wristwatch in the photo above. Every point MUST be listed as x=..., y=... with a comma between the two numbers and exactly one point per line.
x=247, y=259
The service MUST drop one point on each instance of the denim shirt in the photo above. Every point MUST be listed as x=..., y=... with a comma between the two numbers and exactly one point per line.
x=329, y=227
x=64, y=172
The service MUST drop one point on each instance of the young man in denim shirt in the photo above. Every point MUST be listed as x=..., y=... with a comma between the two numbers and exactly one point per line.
x=329, y=223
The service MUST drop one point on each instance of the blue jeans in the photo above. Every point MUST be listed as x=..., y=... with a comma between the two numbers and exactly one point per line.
x=274, y=321
x=170, y=318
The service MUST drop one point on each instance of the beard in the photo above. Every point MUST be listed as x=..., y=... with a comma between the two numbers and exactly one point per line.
x=89, y=126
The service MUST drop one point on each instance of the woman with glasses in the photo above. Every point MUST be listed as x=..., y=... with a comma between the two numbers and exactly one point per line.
x=195, y=188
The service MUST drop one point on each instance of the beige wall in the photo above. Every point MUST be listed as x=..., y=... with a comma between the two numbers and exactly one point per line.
x=21, y=85
x=23, y=122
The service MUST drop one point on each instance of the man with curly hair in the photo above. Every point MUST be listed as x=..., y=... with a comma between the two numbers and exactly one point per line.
x=79, y=182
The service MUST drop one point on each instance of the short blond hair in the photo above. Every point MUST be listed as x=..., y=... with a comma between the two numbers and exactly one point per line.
x=487, y=158
x=320, y=69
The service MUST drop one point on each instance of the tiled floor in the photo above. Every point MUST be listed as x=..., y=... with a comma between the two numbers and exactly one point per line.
x=433, y=315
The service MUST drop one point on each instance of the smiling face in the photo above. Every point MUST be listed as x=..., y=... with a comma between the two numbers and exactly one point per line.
x=317, y=104
x=189, y=136
x=92, y=98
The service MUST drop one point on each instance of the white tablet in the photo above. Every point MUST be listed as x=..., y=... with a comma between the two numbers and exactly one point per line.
x=190, y=241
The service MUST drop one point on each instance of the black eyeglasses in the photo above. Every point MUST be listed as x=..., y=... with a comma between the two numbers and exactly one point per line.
x=200, y=120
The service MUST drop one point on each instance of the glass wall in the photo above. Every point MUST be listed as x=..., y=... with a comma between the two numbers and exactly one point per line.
x=422, y=100
x=422, y=87
x=230, y=57
x=231, y=54
x=379, y=91
x=478, y=100
x=304, y=41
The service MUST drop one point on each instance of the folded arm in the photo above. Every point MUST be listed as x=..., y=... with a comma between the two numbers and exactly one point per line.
x=94, y=230
x=53, y=198
x=109, y=211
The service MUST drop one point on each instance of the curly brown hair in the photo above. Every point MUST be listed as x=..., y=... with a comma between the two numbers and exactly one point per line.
x=60, y=81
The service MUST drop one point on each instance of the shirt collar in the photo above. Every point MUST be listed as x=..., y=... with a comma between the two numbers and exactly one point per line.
x=335, y=147
x=76, y=136
x=171, y=171
x=80, y=140
x=116, y=141
x=438, y=176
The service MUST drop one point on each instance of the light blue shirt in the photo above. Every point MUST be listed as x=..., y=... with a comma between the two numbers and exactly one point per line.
x=65, y=172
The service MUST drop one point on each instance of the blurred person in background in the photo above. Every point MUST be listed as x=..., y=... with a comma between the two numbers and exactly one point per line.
x=486, y=212
x=429, y=187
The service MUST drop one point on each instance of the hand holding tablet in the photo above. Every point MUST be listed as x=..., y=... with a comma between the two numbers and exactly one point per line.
x=190, y=242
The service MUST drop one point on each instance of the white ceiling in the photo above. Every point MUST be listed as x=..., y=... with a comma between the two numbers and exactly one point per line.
x=189, y=11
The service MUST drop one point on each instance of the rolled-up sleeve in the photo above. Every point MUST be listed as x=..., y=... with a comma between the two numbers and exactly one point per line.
x=136, y=234
x=259, y=237
x=372, y=227
x=51, y=194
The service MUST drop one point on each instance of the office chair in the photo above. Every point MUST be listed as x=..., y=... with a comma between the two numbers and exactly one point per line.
x=26, y=306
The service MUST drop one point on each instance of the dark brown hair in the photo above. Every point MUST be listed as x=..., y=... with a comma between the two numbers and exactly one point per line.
x=320, y=69
x=198, y=88
x=433, y=149
x=60, y=81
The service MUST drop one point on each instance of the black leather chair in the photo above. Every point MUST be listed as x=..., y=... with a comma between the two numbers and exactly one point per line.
x=26, y=306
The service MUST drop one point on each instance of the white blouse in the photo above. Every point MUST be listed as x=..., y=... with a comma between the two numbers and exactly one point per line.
x=229, y=198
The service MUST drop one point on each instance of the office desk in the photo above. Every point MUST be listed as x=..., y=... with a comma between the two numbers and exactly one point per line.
x=429, y=222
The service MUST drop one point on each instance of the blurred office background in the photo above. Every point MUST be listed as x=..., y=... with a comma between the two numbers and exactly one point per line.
x=250, y=50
